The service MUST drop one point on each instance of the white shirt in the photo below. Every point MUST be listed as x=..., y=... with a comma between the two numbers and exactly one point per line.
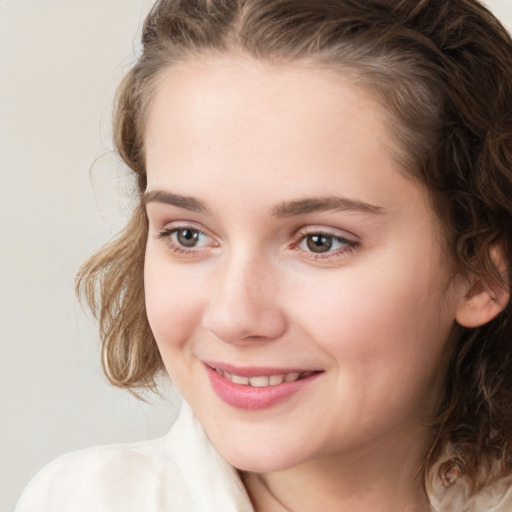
x=180, y=472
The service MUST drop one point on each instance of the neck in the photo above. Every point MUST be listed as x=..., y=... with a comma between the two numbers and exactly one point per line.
x=378, y=478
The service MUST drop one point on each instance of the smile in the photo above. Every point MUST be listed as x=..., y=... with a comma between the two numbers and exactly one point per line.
x=262, y=381
x=257, y=388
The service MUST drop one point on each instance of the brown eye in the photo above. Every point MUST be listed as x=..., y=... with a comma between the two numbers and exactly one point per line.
x=188, y=237
x=319, y=243
x=186, y=240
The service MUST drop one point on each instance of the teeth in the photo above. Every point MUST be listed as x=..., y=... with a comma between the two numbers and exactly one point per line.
x=237, y=379
x=259, y=382
x=276, y=379
x=263, y=380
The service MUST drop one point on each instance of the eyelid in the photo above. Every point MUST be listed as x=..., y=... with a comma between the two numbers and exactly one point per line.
x=352, y=243
x=184, y=224
x=327, y=231
x=166, y=232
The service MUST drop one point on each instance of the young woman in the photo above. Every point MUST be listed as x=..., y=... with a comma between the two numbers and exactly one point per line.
x=320, y=261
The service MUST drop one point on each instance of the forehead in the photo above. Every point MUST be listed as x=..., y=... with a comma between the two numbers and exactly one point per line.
x=282, y=131
x=294, y=104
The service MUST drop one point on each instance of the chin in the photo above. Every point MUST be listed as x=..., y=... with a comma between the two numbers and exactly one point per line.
x=260, y=458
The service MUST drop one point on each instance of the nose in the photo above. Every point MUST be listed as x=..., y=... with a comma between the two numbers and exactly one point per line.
x=244, y=304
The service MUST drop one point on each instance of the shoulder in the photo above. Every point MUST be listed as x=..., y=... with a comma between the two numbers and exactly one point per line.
x=450, y=491
x=179, y=472
x=120, y=476
x=457, y=497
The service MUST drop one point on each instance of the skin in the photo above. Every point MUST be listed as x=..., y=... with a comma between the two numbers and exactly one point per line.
x=373, y=313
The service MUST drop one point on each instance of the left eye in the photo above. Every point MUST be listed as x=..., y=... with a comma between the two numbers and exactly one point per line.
x=321, y=243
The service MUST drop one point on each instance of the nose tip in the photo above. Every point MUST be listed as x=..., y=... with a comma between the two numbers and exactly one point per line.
x=238, y=326
x=244, y=307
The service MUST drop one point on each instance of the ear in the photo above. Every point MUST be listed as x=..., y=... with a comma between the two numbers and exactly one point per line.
x=485, y=297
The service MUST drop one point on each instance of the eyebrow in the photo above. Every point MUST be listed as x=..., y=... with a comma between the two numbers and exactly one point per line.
x=186, y=202
x=319, y=204
x=284, y=209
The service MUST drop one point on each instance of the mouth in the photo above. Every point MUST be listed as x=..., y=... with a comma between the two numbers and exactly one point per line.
x=257, y=388
x=261, y=381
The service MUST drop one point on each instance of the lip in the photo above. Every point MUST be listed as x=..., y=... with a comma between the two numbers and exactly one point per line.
x=255, y=371
x=254, y=398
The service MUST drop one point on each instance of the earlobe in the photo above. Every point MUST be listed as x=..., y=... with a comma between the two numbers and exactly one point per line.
x=486, y=297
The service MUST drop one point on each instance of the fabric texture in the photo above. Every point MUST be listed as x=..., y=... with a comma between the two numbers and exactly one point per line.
x=182, y=472
x=451, y=492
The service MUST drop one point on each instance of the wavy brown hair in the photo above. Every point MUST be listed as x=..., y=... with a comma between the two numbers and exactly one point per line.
x=443, y=71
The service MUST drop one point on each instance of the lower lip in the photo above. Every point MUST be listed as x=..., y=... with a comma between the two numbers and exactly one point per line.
x=248, y=397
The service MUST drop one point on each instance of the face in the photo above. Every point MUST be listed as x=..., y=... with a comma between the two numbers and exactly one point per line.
x=295, y=280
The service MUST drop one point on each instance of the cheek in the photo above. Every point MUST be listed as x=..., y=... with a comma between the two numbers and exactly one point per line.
x=380, y=327
x=174, y=302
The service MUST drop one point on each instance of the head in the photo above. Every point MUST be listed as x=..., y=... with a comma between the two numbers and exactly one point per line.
x=441, y=71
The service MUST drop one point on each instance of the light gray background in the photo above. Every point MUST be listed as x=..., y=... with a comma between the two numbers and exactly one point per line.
x=62, y=195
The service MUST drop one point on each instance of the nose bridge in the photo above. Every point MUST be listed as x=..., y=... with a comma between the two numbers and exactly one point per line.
x=245, y=275
x=244, y=303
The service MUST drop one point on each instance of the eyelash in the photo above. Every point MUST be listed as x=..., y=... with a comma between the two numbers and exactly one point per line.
x=348, y=244
x=166, y=235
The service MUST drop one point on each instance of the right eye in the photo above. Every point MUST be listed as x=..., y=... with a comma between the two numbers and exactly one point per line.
x=186, y=239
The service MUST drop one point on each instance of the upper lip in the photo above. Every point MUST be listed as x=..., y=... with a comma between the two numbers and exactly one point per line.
x=256, y=371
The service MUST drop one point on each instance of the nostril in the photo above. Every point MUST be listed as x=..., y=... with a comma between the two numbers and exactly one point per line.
x=242, y=324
